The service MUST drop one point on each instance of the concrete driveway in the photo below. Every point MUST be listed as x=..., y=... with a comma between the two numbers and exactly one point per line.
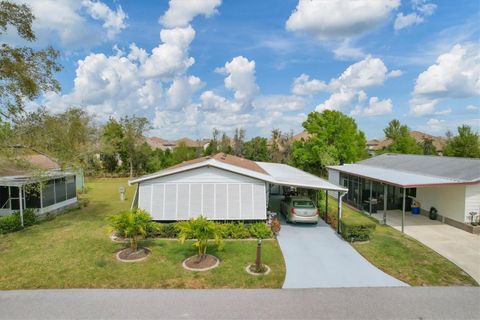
x=316, y=257
x=458, y=246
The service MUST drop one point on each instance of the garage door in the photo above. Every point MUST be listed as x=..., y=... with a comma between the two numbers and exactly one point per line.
x=218, y=201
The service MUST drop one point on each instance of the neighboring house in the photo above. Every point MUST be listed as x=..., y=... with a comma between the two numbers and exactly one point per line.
x=451, y=185
x=438, y=142
x=36, y=181
x=159, y=143
x=220, y=187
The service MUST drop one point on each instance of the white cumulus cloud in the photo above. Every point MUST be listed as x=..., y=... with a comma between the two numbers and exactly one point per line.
x=113, y=20
x=421, y=10
x=337, y=19
x=456, y=74
x=181, y=12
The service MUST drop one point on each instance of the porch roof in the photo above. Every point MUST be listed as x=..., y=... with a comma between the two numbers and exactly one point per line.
x=18, y=181
x=399, y=178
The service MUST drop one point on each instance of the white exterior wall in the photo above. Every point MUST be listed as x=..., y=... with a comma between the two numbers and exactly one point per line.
x=334, y=177
x=448, y=200
x=214, y=193
x=472, y=200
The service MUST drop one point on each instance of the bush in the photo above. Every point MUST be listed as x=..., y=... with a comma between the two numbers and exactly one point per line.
x=234, y=230
x=356, y=228
x=10, y=223
x=29, y=217
x=165, y=230
x=260, y=230
x=132, y=224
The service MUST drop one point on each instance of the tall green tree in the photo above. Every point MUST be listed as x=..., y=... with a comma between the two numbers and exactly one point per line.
x=334, y=139
x=125, y=140
x=212, y=147
x=402, y=142
x=428, y=147
x=257, y=149
x=24, y=72
x=68, y=136
x=239, y=142
x=225, y=145
x=466, y=144
x=280, y=146
x=182, y=152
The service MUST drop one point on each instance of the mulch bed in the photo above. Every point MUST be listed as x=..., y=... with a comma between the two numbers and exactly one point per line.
x=201, y=265
x=129, y=255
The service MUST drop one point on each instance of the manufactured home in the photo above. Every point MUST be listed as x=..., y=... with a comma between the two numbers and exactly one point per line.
x=390, y=183
x=220, y=187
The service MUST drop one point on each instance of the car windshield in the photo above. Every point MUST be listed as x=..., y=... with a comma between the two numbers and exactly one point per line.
x=303, y=204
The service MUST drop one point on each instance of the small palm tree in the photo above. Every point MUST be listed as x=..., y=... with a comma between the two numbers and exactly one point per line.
x=202, y=230
x=132, y=224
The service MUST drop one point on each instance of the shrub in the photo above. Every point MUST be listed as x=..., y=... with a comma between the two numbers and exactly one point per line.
x=29, y=217
x=10, y=223
x=202, y=230
x=234, y=230
x=260, y=230
x=132, y=224
x=164, y=230
x=356, y=228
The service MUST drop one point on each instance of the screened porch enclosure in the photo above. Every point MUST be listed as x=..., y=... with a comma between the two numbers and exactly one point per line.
x=369, y=195
x=21, y=193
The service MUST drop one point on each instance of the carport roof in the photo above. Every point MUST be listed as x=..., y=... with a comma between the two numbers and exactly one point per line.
x=275, y=173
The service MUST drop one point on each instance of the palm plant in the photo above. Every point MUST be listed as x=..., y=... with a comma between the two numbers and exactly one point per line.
x=202, y=230
x=132, y=224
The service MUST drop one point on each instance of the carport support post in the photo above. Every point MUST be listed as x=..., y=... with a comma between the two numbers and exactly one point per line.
x=385, y=194
x=370, y=199
x=20, y=198
x=326, y=206
x=403, y=209
x=340, y=196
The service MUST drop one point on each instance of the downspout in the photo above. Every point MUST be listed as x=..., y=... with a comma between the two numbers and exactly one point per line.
x=340, y=196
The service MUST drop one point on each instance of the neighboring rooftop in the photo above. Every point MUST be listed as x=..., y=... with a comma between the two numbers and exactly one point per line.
x=462, y=169
x=159, y=143
x=26, y=164
x=416, y=170
x=420, y=137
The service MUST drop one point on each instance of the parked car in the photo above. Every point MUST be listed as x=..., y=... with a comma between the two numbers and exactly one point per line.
x=299, y=209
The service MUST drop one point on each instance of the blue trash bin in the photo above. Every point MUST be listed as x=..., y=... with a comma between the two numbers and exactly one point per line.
x=416, y=210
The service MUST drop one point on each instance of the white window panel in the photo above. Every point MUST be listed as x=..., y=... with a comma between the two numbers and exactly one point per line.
x=183, y=196
x=234, y=204
x=246, y=192
x=208, y=200
x=221, y=203
x=195, y=200
x=170, y=208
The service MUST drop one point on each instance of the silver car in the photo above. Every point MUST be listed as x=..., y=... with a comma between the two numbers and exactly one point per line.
x=299, y=209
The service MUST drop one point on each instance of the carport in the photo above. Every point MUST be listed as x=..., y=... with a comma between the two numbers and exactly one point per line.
x=287, y=176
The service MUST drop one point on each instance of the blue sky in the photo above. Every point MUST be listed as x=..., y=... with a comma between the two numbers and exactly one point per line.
x=266, y=64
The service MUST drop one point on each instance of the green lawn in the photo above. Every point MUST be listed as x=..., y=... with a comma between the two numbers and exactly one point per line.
x=74, y=251
x=404, y=257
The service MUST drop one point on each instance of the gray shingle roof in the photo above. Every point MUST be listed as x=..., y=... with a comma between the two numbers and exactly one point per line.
x=459, y=169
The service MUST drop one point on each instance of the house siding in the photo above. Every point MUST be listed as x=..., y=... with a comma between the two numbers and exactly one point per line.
x=448, y=200
x=214, y=193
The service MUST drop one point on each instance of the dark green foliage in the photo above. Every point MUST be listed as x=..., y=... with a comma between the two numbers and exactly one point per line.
x=165, y=230
x=334, y=139
x=29, y=217
x=236, y=230
x=10, y=223
x=260, y=230
x=25, y=72
x=257, y=149
x=466, y=144
x=402, y=142
x=428, y=147
x=356, y=229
